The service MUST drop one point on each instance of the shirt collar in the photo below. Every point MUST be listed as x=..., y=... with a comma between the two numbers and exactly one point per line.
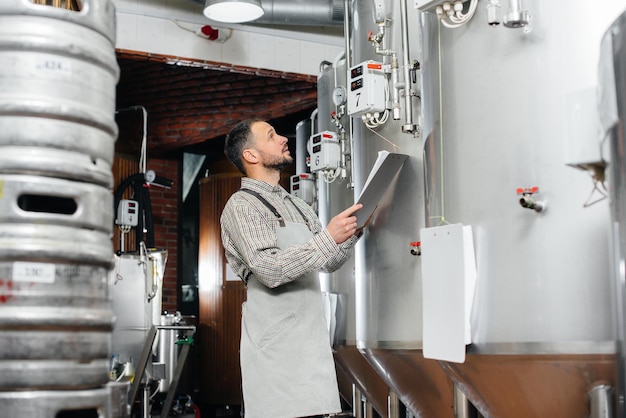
x=261, y=186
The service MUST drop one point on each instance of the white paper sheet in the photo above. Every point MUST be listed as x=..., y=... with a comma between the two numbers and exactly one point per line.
x=449, y=281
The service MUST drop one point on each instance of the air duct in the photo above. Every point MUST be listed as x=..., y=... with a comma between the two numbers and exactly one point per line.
x=300, y=12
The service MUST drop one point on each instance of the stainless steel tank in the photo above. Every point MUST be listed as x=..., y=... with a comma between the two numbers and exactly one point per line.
x=499, y=111
x=498, y=120
x=388, y=286
x=334, y=194
x=612, y=102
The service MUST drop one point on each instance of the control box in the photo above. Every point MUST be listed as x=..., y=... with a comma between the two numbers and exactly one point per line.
x=127, y=213
x=324, y=151
x=366, y=93
x=303, y=186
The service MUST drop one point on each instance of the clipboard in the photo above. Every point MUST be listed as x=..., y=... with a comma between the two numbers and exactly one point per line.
x=385, y=168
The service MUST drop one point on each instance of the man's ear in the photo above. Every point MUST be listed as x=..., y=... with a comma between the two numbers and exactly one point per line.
x=249, y=154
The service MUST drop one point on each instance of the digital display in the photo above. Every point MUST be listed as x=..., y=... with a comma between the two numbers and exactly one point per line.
x=317, y=139
x=295, y=187
x=356, y=71
x=355, y=85
x=317, y=148
x=295, y=179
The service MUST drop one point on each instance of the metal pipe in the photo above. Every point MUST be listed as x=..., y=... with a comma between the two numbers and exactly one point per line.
x=393, y=405
x=357, y=404
x=409, y=126
x=346, y=36
x=302, y=12
x=461, y=403
x=601, y=402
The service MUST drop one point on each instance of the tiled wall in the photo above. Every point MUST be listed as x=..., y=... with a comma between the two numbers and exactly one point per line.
x=168, y=27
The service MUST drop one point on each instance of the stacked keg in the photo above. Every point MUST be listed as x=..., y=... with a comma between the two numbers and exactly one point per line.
x=58, y=73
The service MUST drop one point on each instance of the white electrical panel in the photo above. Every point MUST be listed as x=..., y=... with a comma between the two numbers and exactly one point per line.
x=127, y=213
x=324, y=151
x=367, y=88
x=303, y=186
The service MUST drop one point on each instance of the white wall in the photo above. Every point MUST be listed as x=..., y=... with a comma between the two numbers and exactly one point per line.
x=168, y=27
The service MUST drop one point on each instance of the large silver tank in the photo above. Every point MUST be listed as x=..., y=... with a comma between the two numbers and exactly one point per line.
x=388, y=284
x=499, y=119
x=332, y=198
x=612, y=107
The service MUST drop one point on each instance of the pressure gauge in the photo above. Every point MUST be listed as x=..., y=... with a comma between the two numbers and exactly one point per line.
x=339, y=95
x=150, y=176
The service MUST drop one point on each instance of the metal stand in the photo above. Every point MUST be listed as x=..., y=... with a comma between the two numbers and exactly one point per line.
x=143, y=362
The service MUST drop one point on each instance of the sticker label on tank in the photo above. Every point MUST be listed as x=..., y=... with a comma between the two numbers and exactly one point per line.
x=33, y=272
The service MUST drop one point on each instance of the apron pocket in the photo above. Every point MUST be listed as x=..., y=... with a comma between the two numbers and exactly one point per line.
x=275, y=329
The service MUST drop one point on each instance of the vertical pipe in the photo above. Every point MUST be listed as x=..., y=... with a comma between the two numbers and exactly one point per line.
x=601, y=402
x=357, y=405
x=461, y=404
x=393, y=405
x=409, y=126
x=346, y=36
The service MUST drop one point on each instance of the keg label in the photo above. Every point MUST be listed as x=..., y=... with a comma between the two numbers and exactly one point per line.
x=33, y=272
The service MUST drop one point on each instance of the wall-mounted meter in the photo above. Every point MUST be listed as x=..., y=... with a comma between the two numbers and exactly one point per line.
x=324, y=151
x=366, y=91
x=127, y=213
x=303, y=186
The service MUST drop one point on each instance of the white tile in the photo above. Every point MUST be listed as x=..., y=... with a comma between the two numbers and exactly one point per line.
x=262, y=51
x=236, y=50
x=312, y=54
x=126, y=37
x=287, y=55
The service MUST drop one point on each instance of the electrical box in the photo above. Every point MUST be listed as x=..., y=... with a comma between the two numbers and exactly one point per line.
x=127, y=213
x=303, y=186
x=367, y=88
x=325, y=151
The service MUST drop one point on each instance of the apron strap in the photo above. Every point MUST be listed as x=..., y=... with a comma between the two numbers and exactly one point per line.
x=272, y=209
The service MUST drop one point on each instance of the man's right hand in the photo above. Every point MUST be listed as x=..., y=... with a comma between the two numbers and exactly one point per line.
x=343, y=226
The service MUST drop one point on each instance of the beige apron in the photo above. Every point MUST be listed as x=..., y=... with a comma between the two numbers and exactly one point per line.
x=287, y=365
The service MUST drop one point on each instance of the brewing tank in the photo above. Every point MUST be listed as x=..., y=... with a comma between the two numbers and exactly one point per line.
x=509, y=110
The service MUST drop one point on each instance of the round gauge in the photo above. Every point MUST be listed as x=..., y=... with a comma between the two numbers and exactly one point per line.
x=339, y=95
x=150, y=176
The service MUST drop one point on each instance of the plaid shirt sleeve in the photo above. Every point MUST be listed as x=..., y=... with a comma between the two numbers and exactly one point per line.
x=249, y=238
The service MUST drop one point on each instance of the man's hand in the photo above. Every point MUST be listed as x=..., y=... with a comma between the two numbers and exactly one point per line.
x=343, y=226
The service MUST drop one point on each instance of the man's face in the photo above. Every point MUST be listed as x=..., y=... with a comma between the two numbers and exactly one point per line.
x=272, y=148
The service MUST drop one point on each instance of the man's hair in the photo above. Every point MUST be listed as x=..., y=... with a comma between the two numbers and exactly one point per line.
x=237, y=140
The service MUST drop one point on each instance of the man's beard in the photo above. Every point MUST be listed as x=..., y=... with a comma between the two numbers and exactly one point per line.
x=276, y=163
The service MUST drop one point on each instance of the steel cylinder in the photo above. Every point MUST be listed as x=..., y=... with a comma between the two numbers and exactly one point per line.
x=58, y=76
x=58, y=73
x=55, y=325
x=93, y=403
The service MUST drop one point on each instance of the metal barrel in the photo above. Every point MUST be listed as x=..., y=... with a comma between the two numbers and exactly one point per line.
x=52, y=201
x=58, y=73
x=93, y=403
x=55, y=325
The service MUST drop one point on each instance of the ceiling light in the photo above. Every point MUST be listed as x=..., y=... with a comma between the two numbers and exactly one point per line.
x=233, y=11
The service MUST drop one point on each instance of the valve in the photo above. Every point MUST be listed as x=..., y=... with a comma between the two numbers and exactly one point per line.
x=416, y=247
x=527, y=200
